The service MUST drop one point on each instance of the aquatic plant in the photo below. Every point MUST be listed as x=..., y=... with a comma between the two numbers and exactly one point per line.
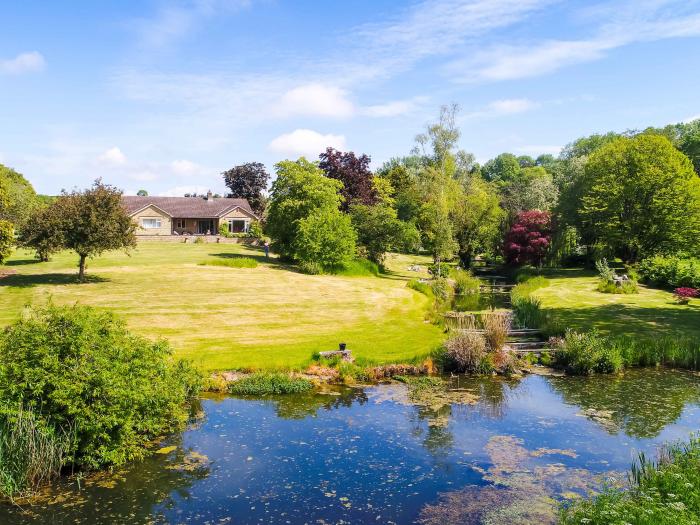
x=526, y=308
x=663, y=491
x=466, y=351
x=585, y=353
x=465, y=282
x=31, y=453
x=263, y=383
x=496, y=328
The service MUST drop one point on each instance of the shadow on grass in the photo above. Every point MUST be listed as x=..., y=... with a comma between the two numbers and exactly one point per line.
x=28, y=280
x=625, y=319
x=22, y=262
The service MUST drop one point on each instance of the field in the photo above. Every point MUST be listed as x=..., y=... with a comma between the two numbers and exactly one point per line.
x=573, y=299
x=220, y=317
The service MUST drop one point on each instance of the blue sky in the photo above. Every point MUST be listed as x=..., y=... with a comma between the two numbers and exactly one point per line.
x=166, y=95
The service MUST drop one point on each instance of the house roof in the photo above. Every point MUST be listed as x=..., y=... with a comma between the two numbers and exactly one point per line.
x=187, y=207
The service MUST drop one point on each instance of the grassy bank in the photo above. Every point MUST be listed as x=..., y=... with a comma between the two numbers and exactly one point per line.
x=661, y=492
x=266, y=317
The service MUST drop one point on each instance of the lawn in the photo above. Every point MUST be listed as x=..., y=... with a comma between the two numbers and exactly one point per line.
x=573, y=299
x=224, y=318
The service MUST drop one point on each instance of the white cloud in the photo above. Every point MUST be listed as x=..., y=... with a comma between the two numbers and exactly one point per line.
x=392, y=109
x=113, y=156
x=316, y=100
x=186, y=167
x=30, y=62
x=536, y=149
x=690, y=119
x=305, y=142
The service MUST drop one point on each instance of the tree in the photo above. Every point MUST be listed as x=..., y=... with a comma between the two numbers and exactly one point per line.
x=640, y=196
x=532, y=189
x=93, y=221
x=354, y=173
x=7, y=240
x=325, y=238
x=299, y=190
x=248, y=181
x=477, y=220
x=529, y=239
x=378, y=229
x=43, y=232
x=142, y=193
x=502, y=169
x=20, y=199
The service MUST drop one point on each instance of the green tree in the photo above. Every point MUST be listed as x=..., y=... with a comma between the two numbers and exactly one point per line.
x=532, y=189
x=325, y=237
x=299, y=190
x=478, y=220
x=502, y=169
x=20, y=199
x=378, y=229
x=142, y=193
x=44, y=232
x=641, y=196
x=248, y=181
x=93, y=221
x=7, y=240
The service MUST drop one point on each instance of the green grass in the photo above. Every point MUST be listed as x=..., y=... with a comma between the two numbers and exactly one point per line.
x=269, y=317
x=232, y=262
x=262, y=383
x=572, y=300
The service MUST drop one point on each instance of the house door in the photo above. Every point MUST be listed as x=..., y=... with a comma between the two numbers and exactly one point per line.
x=205, y=226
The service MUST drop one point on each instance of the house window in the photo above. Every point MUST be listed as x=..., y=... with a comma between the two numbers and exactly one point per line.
x=180, y=223
x=150, y=223
x=237, y=225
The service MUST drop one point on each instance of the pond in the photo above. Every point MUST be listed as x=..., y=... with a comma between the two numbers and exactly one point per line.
x=492, y=451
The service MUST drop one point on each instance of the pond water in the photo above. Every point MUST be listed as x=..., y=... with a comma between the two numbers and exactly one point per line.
x=492, y=451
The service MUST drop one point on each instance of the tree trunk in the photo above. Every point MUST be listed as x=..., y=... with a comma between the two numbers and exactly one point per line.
x=81, y=268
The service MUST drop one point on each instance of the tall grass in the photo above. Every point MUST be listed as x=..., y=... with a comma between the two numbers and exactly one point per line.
x=465, y=282
x=526, y=308
x=261, y=383
x=496, y=328
x=30, y=453
x=661, y=491
x=232, y=262
x=357, y=268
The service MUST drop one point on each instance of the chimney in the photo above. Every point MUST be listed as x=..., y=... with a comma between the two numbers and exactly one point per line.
x=209, y=195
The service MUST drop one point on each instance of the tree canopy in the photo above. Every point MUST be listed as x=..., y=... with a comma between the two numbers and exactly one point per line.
x=355, y=174
x=248, y=181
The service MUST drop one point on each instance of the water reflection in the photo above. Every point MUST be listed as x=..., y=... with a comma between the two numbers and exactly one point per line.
x=484, y=450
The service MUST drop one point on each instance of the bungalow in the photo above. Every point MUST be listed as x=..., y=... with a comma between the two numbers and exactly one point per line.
x=188, y=215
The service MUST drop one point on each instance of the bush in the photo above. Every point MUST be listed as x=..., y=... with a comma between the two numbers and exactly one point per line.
x=255, y=230
x=439, y=269
x=671, y=272
x=609, y=283
x=7, y=240
x=262, y=383
x=660, y=492
x=80, y=369
x=684, y=295
x=526, y=308
x=585, y=353
x=421, y=287
x=496, y=328
x=466, y=352
x=466, y=283
x=357, y=268
x=199, y=240
x=223, y=230
x=232, y=262
x=325, y=237
x=442, y=289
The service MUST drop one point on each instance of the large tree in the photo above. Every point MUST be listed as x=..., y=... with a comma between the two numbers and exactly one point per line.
x=378, y=229
x=88, y=222
x=7, y=240
x=248, y=181
x=641, y=196
x=532, y=189
x=300, y=190
x=20, y=199
x=529, y=239
x=502, y=169
x=353, y=172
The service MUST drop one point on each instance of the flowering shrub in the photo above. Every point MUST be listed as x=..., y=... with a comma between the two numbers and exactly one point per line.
x=684, y=294
x=529, y=239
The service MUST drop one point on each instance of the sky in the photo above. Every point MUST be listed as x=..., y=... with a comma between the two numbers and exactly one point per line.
x=165, y=96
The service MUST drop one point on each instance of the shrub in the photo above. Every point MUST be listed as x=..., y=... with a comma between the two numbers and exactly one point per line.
x=310, y=268
x=496, y=328
x=262, y=383
x=683, y=295
x=609, y=283
x=7, y=240
x=465, y=282
x=80, y=369
x=325, y=237
x=439, y=269
x=255, y=230
x=357, y=268
x=421, y=287
x=199, y=240
x=223, y=230
x=585, y=353
x=442, y=289
x=465, y=352
x=232, y=262
x=526, y=308
x=671, y=272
